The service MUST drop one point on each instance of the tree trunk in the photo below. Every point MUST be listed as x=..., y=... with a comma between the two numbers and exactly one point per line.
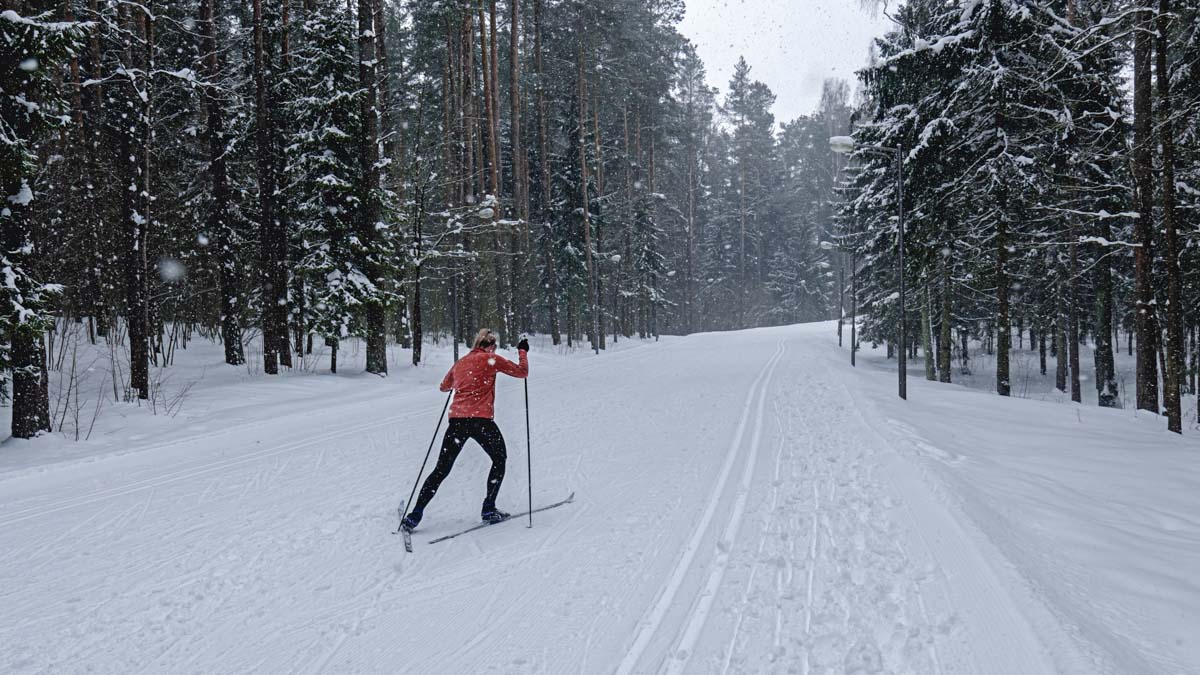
x=451, y=159
x=1146, y=325
x=543, y=123
x=587, y=221
x=1073, y=311
x=1060, y=340
x=1042, y=350
x=632, y=317
x=494, y=261
x=282, y=212
x=926, y=335
x=371, y=213
x=30, y=403
x=1106, y=385
x=624, y=275
x=1003, y=327
x=1194, y=370
x=690, y=297
x=1106, y=373
x=945, y=343
x=964, y=354
x=519, y=230
x=101, y=238
x=270, y=239
x=471, y=158
x=218, y=217
x=383, y=75
x=1173, y=377
x=600, y=266
x=137, y=214
x=742, y=296
x=652, y=282
x=418, y=324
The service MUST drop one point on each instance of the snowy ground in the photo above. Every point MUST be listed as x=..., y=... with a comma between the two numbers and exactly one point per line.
x=746, y=503
x=1028, y=382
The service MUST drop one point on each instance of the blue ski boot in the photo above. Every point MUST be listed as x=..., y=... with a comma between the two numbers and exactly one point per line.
x=410, y=522
x=493, y=516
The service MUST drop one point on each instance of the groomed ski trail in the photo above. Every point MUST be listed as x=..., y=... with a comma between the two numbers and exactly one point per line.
x=735, y=513
x=654, y=620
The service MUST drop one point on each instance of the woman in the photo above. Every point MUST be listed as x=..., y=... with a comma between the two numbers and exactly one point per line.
x=473, y=381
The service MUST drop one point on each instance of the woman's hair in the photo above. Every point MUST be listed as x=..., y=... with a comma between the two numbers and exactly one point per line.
x=484, y=338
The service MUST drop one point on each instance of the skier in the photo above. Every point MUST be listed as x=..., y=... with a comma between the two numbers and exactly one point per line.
x=473, y=380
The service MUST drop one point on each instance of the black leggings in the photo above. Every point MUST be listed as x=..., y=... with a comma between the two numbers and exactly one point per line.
x=483, y=431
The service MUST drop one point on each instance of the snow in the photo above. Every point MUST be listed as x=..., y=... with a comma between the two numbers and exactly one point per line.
x=937, y=46
x=60, y=26
x=185, y=74
x=24, y=195
x=746, y=502
x=171, y=270
x=1089, y=239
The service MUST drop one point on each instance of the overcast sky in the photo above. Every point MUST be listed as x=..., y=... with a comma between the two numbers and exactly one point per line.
x=791, y=45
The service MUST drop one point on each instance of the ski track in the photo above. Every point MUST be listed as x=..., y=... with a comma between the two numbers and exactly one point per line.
x=842, y=593
x=699, y=614
x=650, y=625
x=796, y=543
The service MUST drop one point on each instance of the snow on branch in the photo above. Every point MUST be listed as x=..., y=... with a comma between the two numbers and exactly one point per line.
x=922, y=45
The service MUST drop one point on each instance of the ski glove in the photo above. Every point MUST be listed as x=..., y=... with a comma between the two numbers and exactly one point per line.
x=523, y=345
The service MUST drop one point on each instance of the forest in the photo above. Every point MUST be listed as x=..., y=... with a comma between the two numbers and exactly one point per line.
x=1051, y=179
x=272, y=173
x=284, y=175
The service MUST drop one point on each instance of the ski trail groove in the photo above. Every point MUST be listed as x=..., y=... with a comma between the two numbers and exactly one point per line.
x=771, y=519
x=651, y=623
x=855, y=602
x=701, y=610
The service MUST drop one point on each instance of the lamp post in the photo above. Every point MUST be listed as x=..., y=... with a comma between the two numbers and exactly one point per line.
x=830, y=246
x=853, y=307
x=845, y=145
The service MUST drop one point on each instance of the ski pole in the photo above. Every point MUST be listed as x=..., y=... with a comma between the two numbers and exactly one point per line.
x=427, y=453
x=528, y=456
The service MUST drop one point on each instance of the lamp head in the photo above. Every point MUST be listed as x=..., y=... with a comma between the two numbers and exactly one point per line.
x=843, y=145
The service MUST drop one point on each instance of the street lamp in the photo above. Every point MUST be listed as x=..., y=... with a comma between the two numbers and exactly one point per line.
x=830, y=246
x=845, y=145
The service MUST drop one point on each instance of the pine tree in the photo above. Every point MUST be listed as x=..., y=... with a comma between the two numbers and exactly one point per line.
x=219, y=223
x=752, y=154
x=1000, y=131
x=31, y=106
x=324, y=170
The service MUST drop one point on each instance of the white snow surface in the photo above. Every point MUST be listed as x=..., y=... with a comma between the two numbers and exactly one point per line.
x=745, y=503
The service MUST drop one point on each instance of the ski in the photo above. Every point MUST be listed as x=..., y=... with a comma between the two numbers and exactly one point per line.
x=401, y=530
x=480, y=526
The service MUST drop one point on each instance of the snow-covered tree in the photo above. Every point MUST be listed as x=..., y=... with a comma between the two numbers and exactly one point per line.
x=991, y=102
x=324, y=179
x=32, y=104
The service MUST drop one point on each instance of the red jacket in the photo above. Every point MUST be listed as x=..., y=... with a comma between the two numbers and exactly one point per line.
x=473, y=380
